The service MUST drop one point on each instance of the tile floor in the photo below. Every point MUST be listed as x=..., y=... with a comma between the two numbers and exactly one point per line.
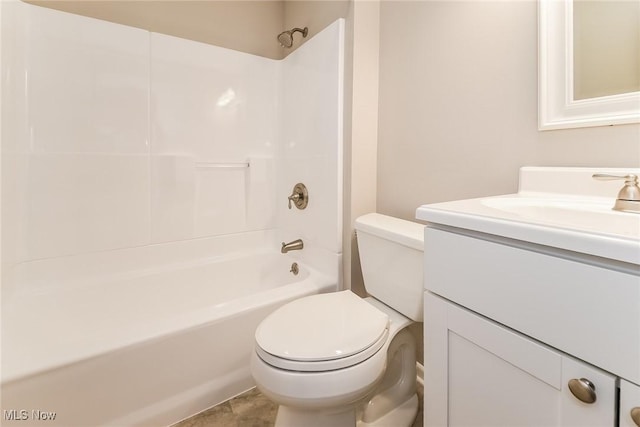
x=251, y=409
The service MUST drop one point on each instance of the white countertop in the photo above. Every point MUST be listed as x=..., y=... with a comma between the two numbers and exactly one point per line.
x=557, y=207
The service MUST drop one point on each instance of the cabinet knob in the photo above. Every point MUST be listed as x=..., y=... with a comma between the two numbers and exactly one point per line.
x=583, y=389
x=635, y=415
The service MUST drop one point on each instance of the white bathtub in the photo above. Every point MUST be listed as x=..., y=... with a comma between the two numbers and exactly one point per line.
x=163, y=336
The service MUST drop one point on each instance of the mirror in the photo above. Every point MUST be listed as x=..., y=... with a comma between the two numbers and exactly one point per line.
x=579, y=85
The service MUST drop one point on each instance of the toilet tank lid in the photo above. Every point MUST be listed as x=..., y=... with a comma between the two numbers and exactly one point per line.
x=407, y=233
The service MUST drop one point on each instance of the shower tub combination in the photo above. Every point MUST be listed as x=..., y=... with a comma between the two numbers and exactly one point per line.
x=166, y=330
x=158, y=139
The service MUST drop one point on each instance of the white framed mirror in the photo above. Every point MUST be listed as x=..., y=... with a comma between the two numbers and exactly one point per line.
x=558, y=107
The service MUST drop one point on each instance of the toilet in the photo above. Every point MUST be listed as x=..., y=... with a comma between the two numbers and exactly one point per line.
x=340, y=360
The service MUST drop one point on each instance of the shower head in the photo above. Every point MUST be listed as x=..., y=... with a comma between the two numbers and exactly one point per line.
x=285, y=38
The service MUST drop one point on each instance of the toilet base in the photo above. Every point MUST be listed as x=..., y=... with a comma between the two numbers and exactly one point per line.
x=288, y=417
x=380, y=391
x=402, y=415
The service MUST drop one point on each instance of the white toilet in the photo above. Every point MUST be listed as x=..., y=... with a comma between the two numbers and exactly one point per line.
x=339, y=360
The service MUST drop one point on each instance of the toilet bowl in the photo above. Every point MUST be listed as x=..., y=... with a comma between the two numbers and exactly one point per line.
x=340, y=360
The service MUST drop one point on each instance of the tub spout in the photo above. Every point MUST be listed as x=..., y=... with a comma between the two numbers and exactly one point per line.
x=296, y=245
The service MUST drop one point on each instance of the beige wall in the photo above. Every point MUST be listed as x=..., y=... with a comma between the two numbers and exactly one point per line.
x=314, y=14
x=246, y=26
x=361, y=136
x=458, y=105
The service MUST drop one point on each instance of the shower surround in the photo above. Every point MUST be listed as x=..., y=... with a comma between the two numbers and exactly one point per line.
x=144, y=198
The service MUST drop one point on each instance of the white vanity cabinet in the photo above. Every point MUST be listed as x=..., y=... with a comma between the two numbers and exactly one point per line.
x=532, y=299
x=509, y=325
x=492, y=376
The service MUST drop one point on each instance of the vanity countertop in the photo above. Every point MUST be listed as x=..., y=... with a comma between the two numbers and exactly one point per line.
x=557, y=207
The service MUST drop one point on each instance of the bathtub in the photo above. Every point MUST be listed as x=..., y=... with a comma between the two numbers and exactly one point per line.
x=143, y=336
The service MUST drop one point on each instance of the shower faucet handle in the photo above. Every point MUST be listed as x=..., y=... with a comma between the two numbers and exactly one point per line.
x=293, y=198
x=299, y=196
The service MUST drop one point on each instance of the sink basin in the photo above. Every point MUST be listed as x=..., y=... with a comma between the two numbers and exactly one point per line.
x=592, y=215
x=555, y=207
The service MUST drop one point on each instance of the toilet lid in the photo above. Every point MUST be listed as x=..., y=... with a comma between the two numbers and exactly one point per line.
x=321, y=328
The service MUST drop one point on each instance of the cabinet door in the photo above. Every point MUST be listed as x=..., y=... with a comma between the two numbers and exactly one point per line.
x=629, y=404
x=479, y=373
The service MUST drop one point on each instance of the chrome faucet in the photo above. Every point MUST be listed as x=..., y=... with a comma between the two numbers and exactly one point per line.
x=296, y=245
x=629, y=197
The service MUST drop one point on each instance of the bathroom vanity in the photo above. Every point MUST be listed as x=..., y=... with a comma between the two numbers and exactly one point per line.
x=532, y=305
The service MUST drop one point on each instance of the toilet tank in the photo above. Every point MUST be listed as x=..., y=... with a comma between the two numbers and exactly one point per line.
x=391, y=255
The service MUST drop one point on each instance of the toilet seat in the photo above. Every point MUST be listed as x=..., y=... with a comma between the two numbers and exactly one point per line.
x=321, y=333
x=322, y=365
